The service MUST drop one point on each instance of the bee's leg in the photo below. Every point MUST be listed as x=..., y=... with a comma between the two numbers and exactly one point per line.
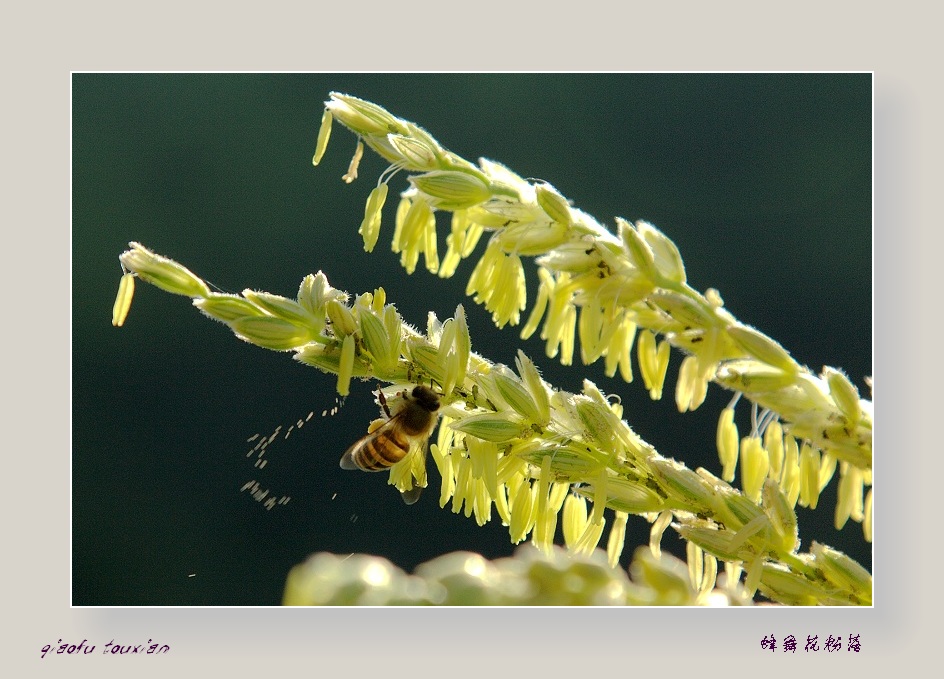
x=383, y=403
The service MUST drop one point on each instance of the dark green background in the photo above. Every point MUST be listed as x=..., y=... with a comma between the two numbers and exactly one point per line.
x=762, y=180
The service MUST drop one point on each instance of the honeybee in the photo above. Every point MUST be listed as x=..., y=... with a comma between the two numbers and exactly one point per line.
x=409, y=426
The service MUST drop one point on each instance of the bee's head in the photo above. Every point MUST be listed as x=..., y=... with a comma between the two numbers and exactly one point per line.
x=425, y=397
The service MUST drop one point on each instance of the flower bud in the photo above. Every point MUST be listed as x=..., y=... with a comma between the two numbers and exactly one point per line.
x=840, y=570
x=362, y=117
x=516, y=396
x=452, y=190
x=489, y=427
x=553, y=203
x=417, y=155
x=668, y=261
x=342, y=320
x=281, y=307
x=759, y=346
x=162, y=272
x=271, y=333
x=376, y=341
x=844, y=394
x=638, y=250
x=226, y=308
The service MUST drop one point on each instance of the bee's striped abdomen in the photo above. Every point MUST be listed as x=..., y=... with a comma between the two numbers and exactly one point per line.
x=376, y=453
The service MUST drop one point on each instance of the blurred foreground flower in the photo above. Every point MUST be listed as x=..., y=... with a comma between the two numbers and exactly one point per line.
x=529, y=578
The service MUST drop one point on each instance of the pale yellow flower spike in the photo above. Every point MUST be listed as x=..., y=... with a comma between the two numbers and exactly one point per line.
x=555, y=500
x=502, y=425
x=567, y=335
x=709, y=578
x=123, y=300
x=732, y=572
x=662, y=365
x=685, y=385
x=827, y=469
x=522, y=512
x=490, y=469
x=635, y=274
x=558, y=298
x=502, y=291
x=454, y=244
x=646, y=355
x=575, y=519
x=370, y=226
x=700, y=390
x=850, y=503
x=430, y=251
x=403, y=209
x=559, y=491
x=541, y=539
x=809, y=476
x=625, y=362
x=494, y=413
x=655, y=533
x=589, y=324
x=754, y=467
x=696, y=564
x=324, y=133
x=472, y=236
x=481, y=279
x=616, y=539
x=413, y=236
x=790, y=479
x=612, y=347
x=727, y=444
x=540, y=304
x=482, y=503
x=590, y=538
x=501, y=505
x=773, y=442
x=463, y=484
x=444, y=465
x=513, y=479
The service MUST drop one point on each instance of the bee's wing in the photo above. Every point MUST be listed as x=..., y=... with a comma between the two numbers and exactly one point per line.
x=347, y=460
x=412, y=495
